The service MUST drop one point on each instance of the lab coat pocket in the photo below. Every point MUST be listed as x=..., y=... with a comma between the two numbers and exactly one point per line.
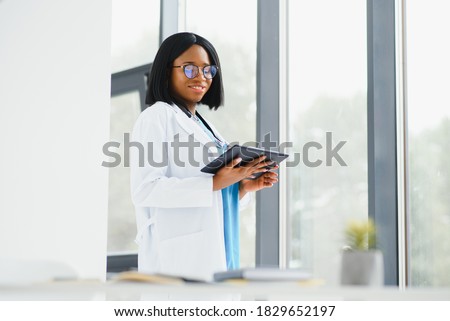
x=184, y=255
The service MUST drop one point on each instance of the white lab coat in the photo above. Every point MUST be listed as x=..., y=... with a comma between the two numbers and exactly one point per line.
x=179, y=217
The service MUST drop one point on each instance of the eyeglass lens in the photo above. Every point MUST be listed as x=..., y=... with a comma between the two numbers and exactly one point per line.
x=191, y=71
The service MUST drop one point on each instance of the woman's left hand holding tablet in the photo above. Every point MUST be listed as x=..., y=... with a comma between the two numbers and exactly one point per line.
x=231, y=173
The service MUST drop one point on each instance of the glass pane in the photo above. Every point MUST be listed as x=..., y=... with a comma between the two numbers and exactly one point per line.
x=429, y=139
x=125, y=110
x=327, y=105
x=236, y=47
x=134, y=33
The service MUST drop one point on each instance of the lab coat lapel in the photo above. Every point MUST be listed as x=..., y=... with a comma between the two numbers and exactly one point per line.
x=216, y=132
x=189, y=125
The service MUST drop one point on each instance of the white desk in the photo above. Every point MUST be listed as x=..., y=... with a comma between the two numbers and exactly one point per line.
x=128, y=291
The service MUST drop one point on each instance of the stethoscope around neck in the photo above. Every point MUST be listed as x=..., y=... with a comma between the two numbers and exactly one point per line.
x=197, y=117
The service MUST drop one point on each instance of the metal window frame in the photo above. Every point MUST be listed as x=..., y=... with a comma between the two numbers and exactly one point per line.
x=169, y=18
x=121, y=262
x=382, y=132
x=131, y=80
x=402, y=146
x=268, y=119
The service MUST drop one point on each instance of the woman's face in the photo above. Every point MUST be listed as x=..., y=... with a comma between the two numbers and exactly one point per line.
x=190, y=91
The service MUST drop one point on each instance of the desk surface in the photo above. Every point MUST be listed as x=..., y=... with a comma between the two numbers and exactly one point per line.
x=283, y=291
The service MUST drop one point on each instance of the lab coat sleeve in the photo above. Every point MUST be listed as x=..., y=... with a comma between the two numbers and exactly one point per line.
x=150, y=185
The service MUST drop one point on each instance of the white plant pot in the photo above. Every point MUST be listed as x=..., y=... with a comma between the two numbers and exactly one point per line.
x=362, y=268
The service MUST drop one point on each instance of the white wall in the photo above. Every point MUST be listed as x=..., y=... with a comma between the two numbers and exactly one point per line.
x=54, y=119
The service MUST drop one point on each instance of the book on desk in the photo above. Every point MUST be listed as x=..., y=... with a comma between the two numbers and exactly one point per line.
x=263, y=274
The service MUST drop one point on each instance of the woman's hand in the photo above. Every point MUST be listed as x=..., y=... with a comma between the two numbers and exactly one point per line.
x=264, y=181
x=232, y=173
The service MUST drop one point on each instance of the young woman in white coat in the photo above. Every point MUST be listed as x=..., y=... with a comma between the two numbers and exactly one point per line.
x=187, y=220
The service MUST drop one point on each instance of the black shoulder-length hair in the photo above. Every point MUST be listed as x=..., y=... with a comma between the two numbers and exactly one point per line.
x=170, y=49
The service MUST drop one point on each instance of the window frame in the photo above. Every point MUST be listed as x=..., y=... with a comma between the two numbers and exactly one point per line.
x=122, y=82
x=381, y=121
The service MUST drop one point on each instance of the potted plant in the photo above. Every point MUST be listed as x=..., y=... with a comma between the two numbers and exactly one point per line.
x=362, y=263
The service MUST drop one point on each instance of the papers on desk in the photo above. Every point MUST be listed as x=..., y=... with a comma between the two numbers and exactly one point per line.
x=263, y=274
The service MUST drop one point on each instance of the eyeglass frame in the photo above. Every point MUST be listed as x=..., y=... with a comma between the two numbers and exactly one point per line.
x=198, y=68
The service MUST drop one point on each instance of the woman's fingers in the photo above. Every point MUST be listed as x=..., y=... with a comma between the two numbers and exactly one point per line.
x=265, y=167
x=236, y=171
x=234, y=162
x=270, y=178
x=256, y=161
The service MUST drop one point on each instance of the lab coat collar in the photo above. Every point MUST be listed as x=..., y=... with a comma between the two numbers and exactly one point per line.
x=191, y=127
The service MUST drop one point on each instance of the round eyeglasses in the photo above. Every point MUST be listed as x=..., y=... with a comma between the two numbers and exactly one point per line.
x=191, y=71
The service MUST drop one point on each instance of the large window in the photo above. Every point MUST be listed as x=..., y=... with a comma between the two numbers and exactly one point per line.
x=428, y=69
x=134, y=42
x=236, y=46
x=125, y=109
x=134, y=33
x=327, y=110
x=327, y=107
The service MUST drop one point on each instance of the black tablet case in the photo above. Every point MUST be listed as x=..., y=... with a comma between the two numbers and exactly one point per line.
x=247, y=153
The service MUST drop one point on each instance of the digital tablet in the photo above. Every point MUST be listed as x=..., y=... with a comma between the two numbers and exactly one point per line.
x=247, y=153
